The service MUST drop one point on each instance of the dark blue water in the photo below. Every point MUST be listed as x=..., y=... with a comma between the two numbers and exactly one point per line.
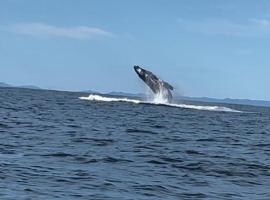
x=54, y=145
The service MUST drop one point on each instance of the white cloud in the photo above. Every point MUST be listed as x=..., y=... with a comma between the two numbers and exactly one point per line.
x=77, y=32
x=250, y=28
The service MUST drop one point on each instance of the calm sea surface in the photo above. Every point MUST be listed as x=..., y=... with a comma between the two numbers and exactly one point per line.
x=54, y=145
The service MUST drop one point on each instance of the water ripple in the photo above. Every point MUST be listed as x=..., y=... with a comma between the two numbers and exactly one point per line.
x=55, y=146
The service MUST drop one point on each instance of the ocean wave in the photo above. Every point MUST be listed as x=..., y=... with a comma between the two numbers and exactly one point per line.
x=94, y=97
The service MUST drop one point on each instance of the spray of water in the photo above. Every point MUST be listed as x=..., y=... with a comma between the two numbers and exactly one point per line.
x=94, y=97
x=158, y=98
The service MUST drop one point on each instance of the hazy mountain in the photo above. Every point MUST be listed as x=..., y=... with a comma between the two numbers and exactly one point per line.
x=228, y=100
x=126, y=94
x=30, y=87
x=90, y=91
x=2, y=84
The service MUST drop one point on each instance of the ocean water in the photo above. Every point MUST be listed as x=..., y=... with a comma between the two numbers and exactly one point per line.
x=63, y=145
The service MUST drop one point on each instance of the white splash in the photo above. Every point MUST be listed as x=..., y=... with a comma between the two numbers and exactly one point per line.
x=197, y=107
x=94, y=97
x=160, y=98
x=157, y=100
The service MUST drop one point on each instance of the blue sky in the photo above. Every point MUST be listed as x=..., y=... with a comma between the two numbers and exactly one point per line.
x=217, y=48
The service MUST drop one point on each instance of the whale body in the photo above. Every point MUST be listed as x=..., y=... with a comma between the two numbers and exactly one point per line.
x=157, y=85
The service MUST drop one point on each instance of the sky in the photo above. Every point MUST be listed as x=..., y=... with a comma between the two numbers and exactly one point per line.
x=210, y=48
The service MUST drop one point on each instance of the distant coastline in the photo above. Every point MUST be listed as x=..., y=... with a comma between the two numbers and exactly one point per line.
x=140, y=95
x=22, y=86
x=205, y=99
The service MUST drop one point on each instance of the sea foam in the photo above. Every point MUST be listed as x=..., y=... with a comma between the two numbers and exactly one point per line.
x=157, y=100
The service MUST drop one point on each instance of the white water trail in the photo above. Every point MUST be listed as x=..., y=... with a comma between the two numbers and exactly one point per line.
x=209, y=108
x=94, y=97
x=157, y=100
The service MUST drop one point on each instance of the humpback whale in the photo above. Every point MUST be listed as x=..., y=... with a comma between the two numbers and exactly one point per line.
x=157, y=85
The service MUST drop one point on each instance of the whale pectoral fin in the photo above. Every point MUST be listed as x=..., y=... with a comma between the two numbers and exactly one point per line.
x=167, y=85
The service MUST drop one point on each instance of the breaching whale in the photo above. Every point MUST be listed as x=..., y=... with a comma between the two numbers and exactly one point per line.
x=157, y=85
